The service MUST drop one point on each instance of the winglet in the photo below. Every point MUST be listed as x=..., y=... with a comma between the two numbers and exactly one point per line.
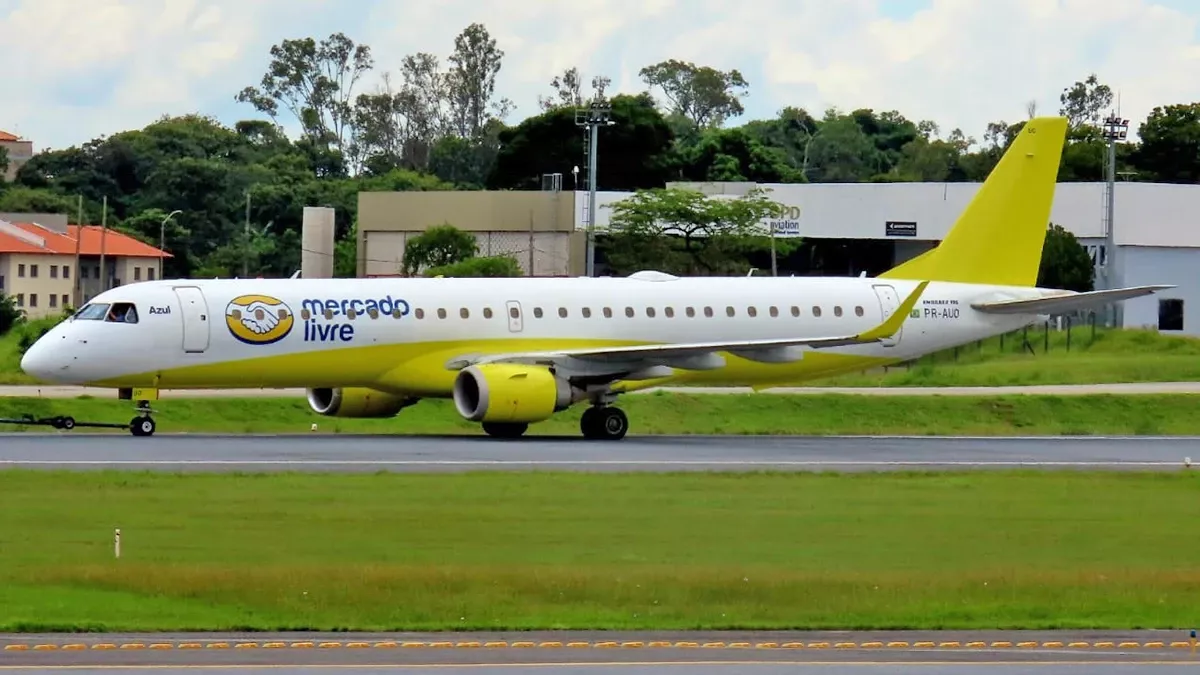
x=892, y=325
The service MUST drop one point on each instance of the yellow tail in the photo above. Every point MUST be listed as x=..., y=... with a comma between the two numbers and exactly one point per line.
x=998, y=238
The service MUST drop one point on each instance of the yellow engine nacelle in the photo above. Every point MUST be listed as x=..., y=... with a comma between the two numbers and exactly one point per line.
x=502, y=392
x=356, y=402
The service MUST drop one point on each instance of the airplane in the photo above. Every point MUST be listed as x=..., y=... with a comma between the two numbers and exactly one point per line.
x=511, y=352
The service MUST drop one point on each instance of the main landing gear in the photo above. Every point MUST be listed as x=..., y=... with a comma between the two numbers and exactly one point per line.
x=605, y=423
x=599, y=422
x=142, y=425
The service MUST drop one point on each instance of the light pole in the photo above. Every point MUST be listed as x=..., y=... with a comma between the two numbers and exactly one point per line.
x=1115, y=129
x=596, y=116
x=162, y=240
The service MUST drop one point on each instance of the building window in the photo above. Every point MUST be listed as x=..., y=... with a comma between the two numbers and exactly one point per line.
x=33, y=299
x=66, y=300
x=137, y=274
x=21, y=270
x=1, y=282
x=20, y=299
x=33, y=272
x=53, y=300
x=83, y=272
x=149, y=274
x=54, y=271
x=66, y=272
x=1170, y=314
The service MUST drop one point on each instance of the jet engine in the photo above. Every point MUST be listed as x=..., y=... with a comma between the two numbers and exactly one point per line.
x=501, y=392
x=356, y=402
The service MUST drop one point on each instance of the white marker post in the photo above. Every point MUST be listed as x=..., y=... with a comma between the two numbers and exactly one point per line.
x=117, y=542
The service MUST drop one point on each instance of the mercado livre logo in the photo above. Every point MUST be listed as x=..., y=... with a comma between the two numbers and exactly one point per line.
x=258, y=319
x=330, y=319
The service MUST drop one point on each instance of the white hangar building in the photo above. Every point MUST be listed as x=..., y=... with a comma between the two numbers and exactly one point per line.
x=1157, y=229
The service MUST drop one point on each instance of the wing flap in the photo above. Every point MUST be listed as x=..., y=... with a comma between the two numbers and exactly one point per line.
x=1065, y=303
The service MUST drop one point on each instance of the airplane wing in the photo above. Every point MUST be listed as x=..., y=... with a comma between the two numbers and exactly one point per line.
x=675, y=355
x=1064, y=303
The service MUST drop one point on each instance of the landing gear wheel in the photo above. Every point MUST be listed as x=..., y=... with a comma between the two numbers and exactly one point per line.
x=67, y=422
x=505, y=429
x=142, y=426
x=609, y=424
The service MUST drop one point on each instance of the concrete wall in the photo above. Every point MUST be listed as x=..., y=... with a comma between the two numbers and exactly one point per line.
x=1142, y=265
x=19, y=152
x=536, y=228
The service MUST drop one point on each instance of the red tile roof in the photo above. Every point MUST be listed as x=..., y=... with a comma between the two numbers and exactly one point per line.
x=115, y=243
x=5, y=136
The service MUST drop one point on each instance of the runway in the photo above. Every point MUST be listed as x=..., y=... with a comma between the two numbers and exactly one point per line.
x=710, y=653
x=1120, y=388
x=333, y=453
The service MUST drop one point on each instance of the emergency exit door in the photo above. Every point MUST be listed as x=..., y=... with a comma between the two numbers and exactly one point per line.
x=194, y=315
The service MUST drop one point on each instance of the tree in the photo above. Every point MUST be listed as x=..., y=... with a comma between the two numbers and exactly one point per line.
x=1170, y=148
x=487, y=266
x=3, y=162
x=568, y=90
x=635, y=152
x=438, y=246
x=686, y=230
x=10, y=314
x=315, y=82
x=472, y=81
x=704, y=95
x=733, y=155
x=1065, y=262
x=1083, y=102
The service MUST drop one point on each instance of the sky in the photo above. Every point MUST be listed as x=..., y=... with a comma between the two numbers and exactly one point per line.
x=78, y=69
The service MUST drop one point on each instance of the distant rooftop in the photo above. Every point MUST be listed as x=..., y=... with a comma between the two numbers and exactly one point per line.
x=5, y=136
x=32, y=238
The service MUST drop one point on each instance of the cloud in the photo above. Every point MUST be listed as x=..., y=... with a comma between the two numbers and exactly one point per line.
x=90, y=69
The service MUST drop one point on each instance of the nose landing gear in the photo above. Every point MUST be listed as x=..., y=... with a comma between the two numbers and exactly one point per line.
x=143, y=424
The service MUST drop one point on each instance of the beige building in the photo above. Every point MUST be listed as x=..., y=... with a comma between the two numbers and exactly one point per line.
x=19, y=151
x=538, y=228
x=47, y=265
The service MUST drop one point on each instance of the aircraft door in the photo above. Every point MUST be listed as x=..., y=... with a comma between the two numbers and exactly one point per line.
x=889, y=302
x=196, y=323
x=514, y=316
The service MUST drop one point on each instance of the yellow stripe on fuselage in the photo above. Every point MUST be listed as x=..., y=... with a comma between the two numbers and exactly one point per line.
x=420, y=368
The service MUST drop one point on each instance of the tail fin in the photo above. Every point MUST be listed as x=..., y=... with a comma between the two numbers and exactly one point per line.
x=998, y=238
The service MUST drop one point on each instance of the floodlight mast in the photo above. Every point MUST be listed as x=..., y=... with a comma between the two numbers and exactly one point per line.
x=593, y=117
x=1115, y=129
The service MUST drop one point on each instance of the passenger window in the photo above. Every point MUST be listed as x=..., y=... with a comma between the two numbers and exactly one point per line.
x=752, y=311
x=441, y=312
x=464, y=313
x=670, y=312
x=708, y=312
x=858, y=310
x=837, y=310
x=608, y=312
x=795, y=311
x=420, y=313
x=514, y=313
x=562, y=312
x=691, y=312
x=729, y=310
x=123, y=312
x=650, y=312
x=537, y=312
x=774, y=311
x=629, y=312
x=373, y=313
x=351, y=313
x=816, y=311
x=587, y=312
x=487, y=312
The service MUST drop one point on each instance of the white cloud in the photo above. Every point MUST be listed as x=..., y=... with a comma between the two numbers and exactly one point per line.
x=86, y=69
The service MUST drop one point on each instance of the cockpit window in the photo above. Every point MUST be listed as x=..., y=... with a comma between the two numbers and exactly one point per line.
x=92, y=312
x=122, y=312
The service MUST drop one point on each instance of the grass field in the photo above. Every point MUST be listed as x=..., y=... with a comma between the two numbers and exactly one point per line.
x=554, y=550
x=670, y=413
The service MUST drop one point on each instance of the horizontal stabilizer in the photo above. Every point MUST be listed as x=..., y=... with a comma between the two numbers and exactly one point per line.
x=1068, y=302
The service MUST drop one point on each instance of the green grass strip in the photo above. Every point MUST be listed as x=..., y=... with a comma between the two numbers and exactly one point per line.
x=1003, y=550
x=669, y=413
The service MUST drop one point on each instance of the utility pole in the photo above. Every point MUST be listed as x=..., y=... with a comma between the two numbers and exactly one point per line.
x=596, y=116
x=162, y=240
x=1115, y=129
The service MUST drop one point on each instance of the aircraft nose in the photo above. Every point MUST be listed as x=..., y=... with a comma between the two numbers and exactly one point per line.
x=40, y=361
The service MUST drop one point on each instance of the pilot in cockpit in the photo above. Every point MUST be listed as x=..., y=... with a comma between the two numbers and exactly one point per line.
x=116, y=316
